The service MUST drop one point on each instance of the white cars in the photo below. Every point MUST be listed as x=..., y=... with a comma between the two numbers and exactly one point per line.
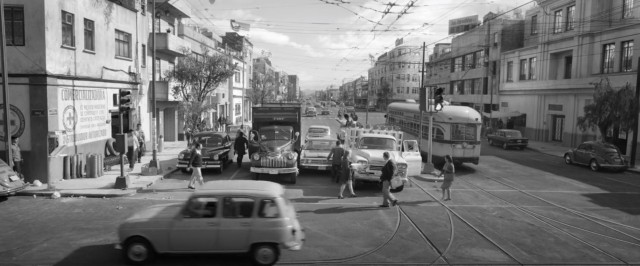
x=230, y=216
x=316, y=131
x=314, y=153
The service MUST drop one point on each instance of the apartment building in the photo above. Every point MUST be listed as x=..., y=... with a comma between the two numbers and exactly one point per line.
x=399, y=68
x=568, y=46
x=437, y=69
x=240, y=49
x=293, y=88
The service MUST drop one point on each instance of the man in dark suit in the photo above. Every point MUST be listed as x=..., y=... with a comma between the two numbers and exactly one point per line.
x=387, y=173
x=240, y=146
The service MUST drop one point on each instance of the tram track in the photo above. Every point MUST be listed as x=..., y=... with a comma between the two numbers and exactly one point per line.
x=547, y=221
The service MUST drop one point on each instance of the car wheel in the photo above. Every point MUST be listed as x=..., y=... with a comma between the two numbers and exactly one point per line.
x=137, y=250
x=184, y=170
x=491, y=142
x=594, y=165
x=504, y=146
x=567, y=159
x=265, y=254
x=222, y=163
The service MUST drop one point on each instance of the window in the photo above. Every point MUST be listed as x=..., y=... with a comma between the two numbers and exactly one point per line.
x=627, y=56
x=268, y=209
x=89, y=41
x=607, y=57
x=557, y=21
x=468, y=86
x=523, y=69
x=532, y=68
x=570, y=17
x=171, y=67
x=201, y=207
x=568, y=65
x=143, y=60
x=479, y=58
x=14, y=25
x=463, y=132
x=477, y=85
x=510, y=71
x=408, y=90
x=123, y=44
x=460, y=86
x=236, y=76
x=496, y=39
x=237, y=207
x=468, y=61
x=68, y=38
x=627, y=8
x=238, y=109
x=157, y=68
x=457, y=64
x=534, y=25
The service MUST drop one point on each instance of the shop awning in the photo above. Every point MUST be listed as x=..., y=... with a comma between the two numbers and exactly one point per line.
x=499, y=114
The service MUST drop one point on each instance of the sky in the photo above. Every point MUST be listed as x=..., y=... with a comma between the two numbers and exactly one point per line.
x=328, y=42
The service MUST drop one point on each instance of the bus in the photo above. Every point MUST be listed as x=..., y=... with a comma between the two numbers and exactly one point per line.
x=456, y=130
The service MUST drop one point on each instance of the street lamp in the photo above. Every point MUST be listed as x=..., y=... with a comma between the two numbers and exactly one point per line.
x=155, y=124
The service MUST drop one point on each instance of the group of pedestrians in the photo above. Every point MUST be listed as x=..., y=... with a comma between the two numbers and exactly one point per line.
x=136, y=146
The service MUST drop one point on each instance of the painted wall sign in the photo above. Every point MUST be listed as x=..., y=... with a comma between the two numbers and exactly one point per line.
x=83, y=113
x=17, y=122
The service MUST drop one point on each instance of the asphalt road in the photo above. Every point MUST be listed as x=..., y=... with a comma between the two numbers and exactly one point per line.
x=515, y=207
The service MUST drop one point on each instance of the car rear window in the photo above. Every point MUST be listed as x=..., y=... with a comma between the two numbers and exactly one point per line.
x=513, y=134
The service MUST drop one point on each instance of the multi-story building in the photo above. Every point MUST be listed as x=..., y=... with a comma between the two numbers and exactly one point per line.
x=333, y=93
x=282, y=81
x=293, y=88
x=240, y=50
x=362, y=93
x=398, y=68
x=568, y=46
x=437, y=70
x=475, y=57
x=265, y=72
x=67, y=62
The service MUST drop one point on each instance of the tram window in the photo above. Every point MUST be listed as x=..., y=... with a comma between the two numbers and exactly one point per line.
x=463, y=132
x=438, y=133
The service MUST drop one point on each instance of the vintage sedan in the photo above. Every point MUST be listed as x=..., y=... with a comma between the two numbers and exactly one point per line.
x=10, y=182
x=216, y=148
x=508, y=138
x=597, y=155
x=314, y=153
x=325, y=111
x=311, y=111
x=228, y=216
x=316, y=131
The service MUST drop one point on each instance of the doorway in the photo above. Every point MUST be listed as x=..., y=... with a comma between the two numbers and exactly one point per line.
x=557, y=127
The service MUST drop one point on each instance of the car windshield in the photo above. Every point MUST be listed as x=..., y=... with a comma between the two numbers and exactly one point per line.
x=210, y=140
x=513, y=134
x=276, y=133
x=311, y=109
x=319, y=144
x=377, y=143
x=315, y=130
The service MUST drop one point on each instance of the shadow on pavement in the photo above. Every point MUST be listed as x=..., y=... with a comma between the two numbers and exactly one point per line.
x=340, y=209
x=99, y=255
x=624, y=202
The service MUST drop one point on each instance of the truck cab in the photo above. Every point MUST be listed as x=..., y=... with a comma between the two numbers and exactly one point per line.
x=368, y=146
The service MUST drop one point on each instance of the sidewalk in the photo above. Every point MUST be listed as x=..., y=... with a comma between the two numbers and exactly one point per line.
x=103, y=186
x=559, y=151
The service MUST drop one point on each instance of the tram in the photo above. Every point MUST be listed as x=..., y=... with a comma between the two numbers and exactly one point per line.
x=456, y=130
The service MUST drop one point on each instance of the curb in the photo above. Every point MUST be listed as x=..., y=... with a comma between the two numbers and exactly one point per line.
x=629, y=169
x=116, y=193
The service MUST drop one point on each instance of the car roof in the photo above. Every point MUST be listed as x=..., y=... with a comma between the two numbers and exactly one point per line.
x=377, y=136
x=199, y=134
x=244, y=187
x=318, y=126
x=322, y=138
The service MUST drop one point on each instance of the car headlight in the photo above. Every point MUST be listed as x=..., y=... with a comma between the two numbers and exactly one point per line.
x=362, y=163
x=216, y=157
x=402, y=167
x=255, y=156
x=290, y=156
x=180, y=156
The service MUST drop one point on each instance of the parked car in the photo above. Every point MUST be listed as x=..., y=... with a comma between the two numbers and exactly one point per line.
x=316, y=131
x=314, y=153
x=596, y=155
x=311, y=111
x=10, y=182
x=508, y=138
x=325, y=111
x=228, y=216
x=215, y=151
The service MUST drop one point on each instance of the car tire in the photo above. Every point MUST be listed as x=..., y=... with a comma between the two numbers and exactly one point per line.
x=567, y=159
x=265, y=254
x=138, y=251
x=593, y=164
x=504, y=146
x=222, y=163
x=184, y=170
x=490, y=142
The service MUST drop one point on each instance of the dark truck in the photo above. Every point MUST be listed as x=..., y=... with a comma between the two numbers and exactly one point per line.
x=274, y=142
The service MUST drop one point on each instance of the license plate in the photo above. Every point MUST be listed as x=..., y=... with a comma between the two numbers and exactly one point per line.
x=322, y=168
x=273, y=172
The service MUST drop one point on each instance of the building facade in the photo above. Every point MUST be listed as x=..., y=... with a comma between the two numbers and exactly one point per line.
x=293, y=88
x=437, y=70
x=399, y=69
x=565, y=52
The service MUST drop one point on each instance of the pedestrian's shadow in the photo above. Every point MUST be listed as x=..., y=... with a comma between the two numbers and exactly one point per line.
x=341, y=209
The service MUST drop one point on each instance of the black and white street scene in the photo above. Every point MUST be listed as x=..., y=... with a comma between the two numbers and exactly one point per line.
x=319, y=132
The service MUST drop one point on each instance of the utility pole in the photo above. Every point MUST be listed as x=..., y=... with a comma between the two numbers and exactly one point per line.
x=155, y=125
x=427, y=97
x=427, y=167
x=5, y=86
x=634, y=143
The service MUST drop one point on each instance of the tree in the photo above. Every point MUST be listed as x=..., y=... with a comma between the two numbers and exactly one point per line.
x=611, y=109
x=385, y=93
x=262, y=85
x=197, y=78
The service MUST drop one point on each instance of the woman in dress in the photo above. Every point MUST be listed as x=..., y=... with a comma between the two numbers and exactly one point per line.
x=195, y=163
x=448, y=170
x=346, y=179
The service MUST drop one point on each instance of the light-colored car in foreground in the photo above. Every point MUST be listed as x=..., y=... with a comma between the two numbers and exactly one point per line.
x=230, y=216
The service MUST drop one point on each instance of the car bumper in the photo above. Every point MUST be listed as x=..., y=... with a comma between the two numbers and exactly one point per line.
x=207, y=165
x=367, y=176
x=12, y=191
x=315, y=166
x=274, y=171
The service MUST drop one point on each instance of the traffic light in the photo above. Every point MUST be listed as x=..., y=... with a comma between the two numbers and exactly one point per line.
x=423, y=99
x=438, y=99
x=125, y=100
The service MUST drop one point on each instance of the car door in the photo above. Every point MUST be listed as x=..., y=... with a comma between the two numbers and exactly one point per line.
x=411, y=154
x=236, y=224
x=196, y=228
x=581, y=153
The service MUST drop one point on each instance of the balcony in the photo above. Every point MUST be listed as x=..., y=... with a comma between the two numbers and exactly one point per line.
x=162, y=91
x=178, y=9
x=190, y=32
x=171, y=44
